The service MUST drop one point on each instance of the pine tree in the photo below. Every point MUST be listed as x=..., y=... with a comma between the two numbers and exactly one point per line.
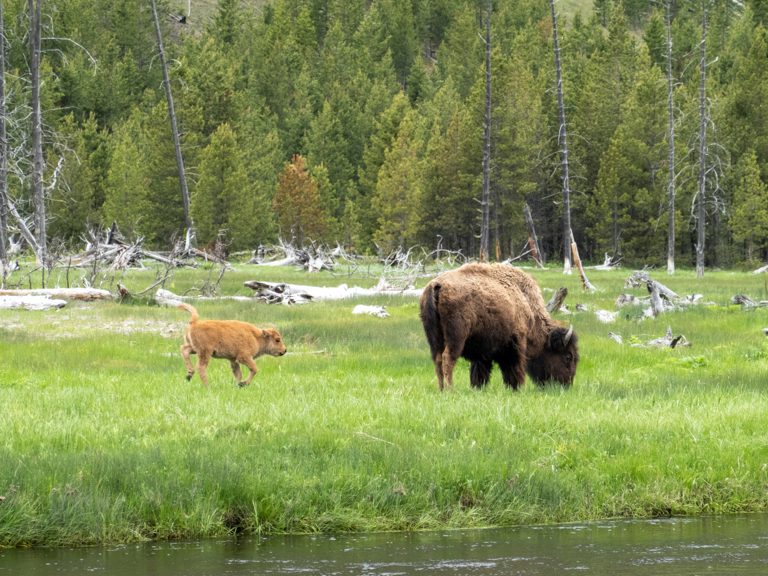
x=128, y=180
x=222, y=200
x=397, y=198
x=749, y=221
x=300, y=214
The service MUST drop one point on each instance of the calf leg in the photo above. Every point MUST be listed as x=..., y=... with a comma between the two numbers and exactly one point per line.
x=186, y=351
x=236, y=371
x=248, y=361
x=202, y=365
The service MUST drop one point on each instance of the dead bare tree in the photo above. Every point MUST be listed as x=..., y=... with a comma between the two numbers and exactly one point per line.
x=38, y=193
x=190, y=231
x=485, y=200
x=3, y=157
x=671, y=142
x=563, y=141
x=702, y=179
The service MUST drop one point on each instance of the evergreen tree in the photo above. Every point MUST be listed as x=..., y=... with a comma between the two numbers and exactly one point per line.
x=451, y=184
x=397, y=198
x=223, y=199
x=300, y=214
x=128, y=180
x=749, y=221
x=629, y=217
x=78, y=204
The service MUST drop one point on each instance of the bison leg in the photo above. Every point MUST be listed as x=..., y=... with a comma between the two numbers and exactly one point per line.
x=448, y=362
x=438, y=360
x=480, y=373
x=512, y=373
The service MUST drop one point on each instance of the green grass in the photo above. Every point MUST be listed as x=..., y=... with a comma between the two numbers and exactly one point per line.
x=103, y=440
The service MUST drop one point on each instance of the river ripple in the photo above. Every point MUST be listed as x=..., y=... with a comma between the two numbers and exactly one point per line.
x=721, y=545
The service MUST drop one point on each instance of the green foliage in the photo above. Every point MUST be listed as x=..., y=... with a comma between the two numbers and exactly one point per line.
x=333, y=81
x=398, y=194
x=749, y=221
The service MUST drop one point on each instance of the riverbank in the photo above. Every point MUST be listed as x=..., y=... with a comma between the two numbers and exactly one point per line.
x=103, y=439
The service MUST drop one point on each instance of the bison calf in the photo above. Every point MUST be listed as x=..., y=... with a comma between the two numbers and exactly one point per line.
x=490, y=313
x=238, y=342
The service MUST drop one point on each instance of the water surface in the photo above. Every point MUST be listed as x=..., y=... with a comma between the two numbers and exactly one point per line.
x=723, y=545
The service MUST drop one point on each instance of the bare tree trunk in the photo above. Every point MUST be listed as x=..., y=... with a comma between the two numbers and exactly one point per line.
x=3, y=156
x=38, y=193
x=485, y=201
x=702, y=180
x=533, y=240
x=563, y=140
x=190, y=233
x=671, y=143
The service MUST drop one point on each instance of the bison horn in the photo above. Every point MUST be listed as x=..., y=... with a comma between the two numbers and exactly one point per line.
x=568, y=335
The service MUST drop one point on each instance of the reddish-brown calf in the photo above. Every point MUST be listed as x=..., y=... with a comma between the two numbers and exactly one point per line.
x=236, y=341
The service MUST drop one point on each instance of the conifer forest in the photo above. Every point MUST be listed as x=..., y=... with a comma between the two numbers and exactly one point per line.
x=386, y=124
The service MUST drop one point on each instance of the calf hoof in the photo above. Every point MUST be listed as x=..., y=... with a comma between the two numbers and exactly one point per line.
x=189, y=377
x=242, y=384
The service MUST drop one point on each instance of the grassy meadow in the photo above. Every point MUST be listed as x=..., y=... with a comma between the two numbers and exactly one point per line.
x=102, y=439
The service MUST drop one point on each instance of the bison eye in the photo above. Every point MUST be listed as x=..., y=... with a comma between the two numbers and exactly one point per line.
x=569, y=358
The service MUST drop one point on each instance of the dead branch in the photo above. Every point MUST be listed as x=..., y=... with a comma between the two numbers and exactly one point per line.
x=577, y=261
x=557, y=299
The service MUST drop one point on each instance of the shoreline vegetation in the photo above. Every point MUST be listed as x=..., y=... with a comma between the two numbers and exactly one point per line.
x=104, y=441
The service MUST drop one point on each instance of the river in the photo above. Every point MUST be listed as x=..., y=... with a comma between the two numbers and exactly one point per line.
x=717, y=545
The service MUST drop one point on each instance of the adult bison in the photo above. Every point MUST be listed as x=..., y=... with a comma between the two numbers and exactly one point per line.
x=490, y=313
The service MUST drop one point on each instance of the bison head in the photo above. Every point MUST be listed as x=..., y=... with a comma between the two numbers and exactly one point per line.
x=558, y=360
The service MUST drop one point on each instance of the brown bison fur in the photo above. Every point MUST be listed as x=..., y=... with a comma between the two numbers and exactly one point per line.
x=238, y=342
x=490, y=313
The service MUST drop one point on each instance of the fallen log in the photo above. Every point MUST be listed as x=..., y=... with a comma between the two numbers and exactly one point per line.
x=30, y=303
x=641, y=277
x=669, y=340
x=165, y=297
x=746, y=302
x=278, y=292
x=83, y=294
x=378, y=311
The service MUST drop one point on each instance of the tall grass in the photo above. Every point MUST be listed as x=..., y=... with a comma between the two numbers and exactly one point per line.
x=103, y=440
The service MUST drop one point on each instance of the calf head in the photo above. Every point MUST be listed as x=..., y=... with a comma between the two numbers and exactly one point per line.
x=558, y=360
x=273, y=342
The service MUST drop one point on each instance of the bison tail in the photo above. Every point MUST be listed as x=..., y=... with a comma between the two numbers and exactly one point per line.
x=430, y=317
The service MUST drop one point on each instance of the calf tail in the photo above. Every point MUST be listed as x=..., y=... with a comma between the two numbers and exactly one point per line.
x=189, y=308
